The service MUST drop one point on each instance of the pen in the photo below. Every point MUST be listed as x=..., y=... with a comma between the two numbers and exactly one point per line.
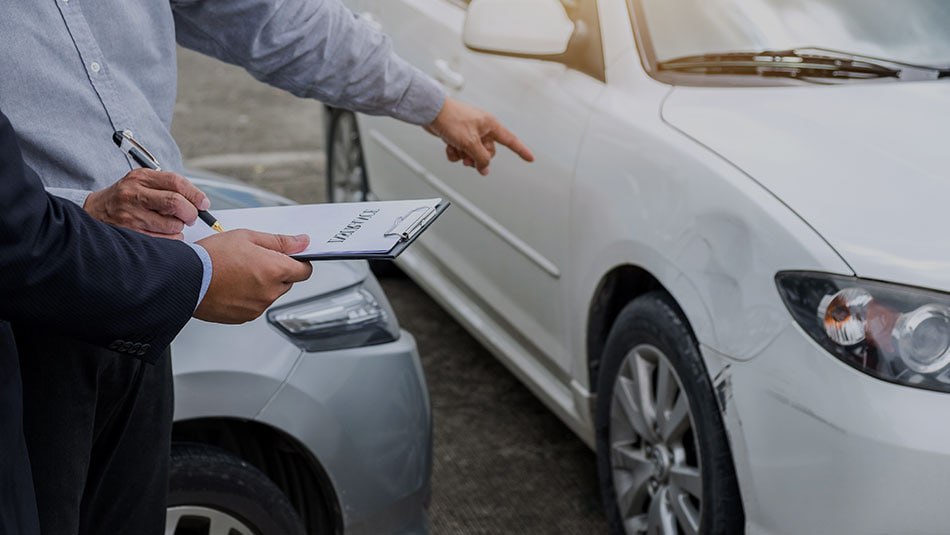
x=124, y=140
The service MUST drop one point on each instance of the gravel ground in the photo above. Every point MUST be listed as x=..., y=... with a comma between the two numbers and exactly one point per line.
x=503, y=462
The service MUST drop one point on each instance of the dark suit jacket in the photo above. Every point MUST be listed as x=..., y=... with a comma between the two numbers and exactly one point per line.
x=64, y=272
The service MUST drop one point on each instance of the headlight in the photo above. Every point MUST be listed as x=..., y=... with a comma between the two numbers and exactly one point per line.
x=897, y=333
x=356, y=316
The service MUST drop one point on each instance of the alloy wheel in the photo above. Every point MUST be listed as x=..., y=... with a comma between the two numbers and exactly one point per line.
x=199, y=520
x=654, y=456
x=347, y=174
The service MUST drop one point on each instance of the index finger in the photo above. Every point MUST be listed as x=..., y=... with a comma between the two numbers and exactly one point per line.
x=179, y=184
x=172, y=204
x=506, y=138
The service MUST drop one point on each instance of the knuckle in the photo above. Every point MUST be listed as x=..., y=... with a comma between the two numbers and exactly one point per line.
x=240, y=235
x=125, y=192
x=180, y=183
x=169, y=203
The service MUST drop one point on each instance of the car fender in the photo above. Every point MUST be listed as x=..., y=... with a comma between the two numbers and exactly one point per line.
x=228, y=371
x=647, y=195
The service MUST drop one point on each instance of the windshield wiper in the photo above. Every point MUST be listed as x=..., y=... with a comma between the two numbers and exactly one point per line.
x=799, y=63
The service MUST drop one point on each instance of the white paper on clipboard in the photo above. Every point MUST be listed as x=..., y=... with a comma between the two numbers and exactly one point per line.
x=345, y=229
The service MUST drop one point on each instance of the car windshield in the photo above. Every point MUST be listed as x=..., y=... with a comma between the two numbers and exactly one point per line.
x=909, y=31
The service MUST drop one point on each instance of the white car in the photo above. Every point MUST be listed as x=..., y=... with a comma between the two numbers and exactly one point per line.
x=727, y=270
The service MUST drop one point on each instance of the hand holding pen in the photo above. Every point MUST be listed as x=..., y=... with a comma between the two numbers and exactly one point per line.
x=124, y=140
x=151, y=202
x=156, y=203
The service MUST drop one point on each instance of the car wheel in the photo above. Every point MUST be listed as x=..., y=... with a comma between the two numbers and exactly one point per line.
x=212, y=492
x=663, y=459
x=346, y=168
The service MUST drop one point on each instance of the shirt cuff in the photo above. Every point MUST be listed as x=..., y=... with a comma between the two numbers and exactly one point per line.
x=77, y=196
x=206, y=268
x=422, y=101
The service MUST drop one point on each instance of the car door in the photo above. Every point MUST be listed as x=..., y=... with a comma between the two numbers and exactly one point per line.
x=505, y=242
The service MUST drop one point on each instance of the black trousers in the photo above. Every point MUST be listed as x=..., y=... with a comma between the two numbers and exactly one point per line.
x=98, y=430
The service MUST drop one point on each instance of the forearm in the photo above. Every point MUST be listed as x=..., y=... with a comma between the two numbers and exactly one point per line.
x=312, y=48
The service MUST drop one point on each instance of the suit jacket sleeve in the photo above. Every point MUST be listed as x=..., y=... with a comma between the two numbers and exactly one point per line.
x=67, y=273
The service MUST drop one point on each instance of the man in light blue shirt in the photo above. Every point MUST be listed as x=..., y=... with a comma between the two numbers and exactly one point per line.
x=76, y=71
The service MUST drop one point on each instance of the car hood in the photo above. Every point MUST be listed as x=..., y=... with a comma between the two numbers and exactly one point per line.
x=327, y=277
x=864, y=165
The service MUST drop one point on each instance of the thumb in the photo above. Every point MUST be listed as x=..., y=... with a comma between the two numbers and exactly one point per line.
x=281, y=243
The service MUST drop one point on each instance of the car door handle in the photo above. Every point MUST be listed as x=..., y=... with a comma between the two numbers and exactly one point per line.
x=447, y=76
x=372, y=21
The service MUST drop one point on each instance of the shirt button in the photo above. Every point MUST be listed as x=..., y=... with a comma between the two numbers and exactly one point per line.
x=95, y=67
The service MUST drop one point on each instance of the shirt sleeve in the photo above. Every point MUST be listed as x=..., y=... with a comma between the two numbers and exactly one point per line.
x=314, y=49
x=77, y=196
x=206, y=270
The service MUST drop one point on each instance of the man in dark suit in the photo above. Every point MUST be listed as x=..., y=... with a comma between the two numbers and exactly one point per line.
x=62, y=272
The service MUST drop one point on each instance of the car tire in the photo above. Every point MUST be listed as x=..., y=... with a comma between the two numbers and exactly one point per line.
x=347, y=176
x=667, y=459
x=212, y=491
x=346, y=167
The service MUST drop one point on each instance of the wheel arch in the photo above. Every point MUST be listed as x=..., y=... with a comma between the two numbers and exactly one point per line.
x=618, y=287
x=284, y=459
x=623, y=283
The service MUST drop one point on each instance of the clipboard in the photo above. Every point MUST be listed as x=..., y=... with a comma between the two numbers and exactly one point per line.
x=408, y=229
x=377, y=230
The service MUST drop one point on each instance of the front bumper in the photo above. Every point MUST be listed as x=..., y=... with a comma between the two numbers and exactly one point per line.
x=365, y=415
x=823, y=448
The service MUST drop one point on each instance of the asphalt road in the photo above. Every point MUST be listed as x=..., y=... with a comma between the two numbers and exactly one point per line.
x=503, y=462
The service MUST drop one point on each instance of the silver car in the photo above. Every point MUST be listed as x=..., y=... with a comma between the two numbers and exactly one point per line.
x=314, y=419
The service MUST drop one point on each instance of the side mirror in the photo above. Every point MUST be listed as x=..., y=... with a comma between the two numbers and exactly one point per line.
x=524, y=28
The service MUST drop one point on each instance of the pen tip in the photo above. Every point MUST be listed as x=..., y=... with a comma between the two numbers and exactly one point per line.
x=117, y=138
x=217, y=227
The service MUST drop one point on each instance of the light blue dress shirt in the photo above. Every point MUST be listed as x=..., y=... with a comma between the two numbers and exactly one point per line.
x=207, y=267
x=75, y=71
